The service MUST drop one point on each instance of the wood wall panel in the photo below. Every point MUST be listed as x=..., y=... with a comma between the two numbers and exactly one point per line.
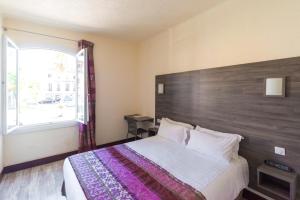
x=231, y=99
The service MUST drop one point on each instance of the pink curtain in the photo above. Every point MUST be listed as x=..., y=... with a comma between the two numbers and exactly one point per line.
x=87, y=136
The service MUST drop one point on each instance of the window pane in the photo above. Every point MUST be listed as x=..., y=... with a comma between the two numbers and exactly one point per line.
x=11, y=86
x=81, y=87
x=43, y=97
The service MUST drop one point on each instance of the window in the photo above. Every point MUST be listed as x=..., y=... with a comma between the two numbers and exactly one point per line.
x=12, y=84
x=58, y=87
x=49, y=87
x=67, y=87
x=38, y=86
x=82, y=96
x=38, y=102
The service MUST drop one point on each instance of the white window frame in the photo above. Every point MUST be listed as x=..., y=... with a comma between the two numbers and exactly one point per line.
x=44, y=126
x=38, y=126
x=5, y=41
x=86, y=108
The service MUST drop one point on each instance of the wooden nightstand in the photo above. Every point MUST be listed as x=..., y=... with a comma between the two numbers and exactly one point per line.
x=277, y=182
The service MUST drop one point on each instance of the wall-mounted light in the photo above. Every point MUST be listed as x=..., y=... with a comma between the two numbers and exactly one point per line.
x=275, y=87
x=160, y=88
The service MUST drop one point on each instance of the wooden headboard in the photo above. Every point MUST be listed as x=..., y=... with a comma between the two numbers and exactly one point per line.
x=231, y=99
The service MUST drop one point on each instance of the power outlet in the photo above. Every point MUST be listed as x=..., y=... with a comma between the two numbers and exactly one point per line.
x=279, y=151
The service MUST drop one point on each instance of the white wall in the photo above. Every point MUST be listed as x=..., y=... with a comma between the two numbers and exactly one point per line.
x=116, y=86
x=22, y=147
x=1, y=136
x=233, y=32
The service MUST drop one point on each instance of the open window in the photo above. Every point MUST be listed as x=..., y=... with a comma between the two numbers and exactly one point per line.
x=10, y=83
x=82, y=84
x=42, y=87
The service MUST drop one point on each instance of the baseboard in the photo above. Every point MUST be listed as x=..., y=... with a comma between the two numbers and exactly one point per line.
x=116, y=142
x=43, y=161
x=34, y=163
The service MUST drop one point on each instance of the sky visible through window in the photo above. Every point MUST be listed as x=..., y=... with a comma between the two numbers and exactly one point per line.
x=46, y=86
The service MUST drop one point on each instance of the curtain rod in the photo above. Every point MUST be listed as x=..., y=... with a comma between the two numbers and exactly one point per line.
x=35, y=33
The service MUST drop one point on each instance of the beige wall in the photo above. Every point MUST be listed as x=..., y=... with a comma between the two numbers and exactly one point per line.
x=22, y=147
x=116, y=86
x=231, y=33
x=1, y=136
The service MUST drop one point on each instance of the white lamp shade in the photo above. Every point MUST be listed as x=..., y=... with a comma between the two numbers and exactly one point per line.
x=275, y=87
x=160, y=89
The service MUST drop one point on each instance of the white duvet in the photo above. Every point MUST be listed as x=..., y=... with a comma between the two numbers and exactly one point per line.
x=214, y=180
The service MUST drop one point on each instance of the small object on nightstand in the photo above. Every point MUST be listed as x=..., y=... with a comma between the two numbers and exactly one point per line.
x=277, y=182
x=153, y=131
x=278, y=165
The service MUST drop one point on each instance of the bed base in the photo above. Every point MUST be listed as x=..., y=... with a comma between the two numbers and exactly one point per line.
x=240, y=197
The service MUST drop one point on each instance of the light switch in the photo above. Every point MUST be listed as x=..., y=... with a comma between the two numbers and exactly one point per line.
x=279, y=151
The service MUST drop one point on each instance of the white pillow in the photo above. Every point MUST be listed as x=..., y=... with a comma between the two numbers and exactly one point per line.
x=221, y=134
x=188, y=126
x=176, y=133
x=217, y=133
x=216, y=148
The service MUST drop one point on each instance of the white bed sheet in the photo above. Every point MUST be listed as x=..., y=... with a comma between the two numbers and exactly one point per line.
x=214, y=180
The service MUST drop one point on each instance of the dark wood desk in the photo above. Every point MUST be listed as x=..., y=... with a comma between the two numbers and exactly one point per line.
x=133, y=121
x=138, y=118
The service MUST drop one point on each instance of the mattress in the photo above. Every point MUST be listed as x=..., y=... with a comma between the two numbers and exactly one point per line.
x=213, y=179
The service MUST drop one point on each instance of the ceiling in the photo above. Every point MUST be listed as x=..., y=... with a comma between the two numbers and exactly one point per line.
x=127, y=19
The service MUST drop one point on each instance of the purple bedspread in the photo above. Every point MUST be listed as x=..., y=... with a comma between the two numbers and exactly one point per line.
x=119, y=172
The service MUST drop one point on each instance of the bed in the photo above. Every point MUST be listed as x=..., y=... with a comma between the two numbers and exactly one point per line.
x=156, y=168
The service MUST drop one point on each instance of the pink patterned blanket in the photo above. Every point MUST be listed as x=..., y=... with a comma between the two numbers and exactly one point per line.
x=119, y=172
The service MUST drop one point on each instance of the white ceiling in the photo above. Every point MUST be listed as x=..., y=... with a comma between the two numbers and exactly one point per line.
x=128, y=19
